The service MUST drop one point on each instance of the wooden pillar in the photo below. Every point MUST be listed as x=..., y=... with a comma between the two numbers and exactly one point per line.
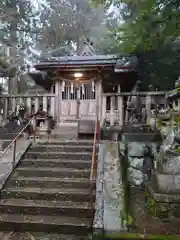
x=148, y=108
x=120, y=107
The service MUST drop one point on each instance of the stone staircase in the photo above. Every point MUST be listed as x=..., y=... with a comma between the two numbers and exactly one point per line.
x=49, y=191
x=10, y=130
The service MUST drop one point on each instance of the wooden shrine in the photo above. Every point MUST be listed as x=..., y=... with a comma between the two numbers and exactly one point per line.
x=79, y=82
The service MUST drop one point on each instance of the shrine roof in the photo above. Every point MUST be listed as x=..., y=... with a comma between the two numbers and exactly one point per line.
x=119, y=62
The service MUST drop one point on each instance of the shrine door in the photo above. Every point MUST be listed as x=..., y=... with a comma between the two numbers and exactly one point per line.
x=78, y=102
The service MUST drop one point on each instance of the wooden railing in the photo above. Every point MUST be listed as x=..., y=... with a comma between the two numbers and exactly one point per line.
x=14, y=141
x=94, y=165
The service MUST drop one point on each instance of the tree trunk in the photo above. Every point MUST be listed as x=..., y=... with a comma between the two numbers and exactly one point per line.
x=13, y=52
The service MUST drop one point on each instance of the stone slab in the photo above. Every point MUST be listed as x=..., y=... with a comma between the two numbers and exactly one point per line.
x=86, y=127
x=113, y=191
x=162, y=197
x=142, y=137
x=167, y=183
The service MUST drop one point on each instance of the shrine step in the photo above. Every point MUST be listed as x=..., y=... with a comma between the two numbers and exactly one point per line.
x=78, y=164
x=59, y=148
x=60, y=155
x=51, y=172
x=49, y=191
x=44, y=207
x=67, y=143
x=44, y=223
x=31, y=235
x=10, y=130
x=49, y=182
x=36, y=193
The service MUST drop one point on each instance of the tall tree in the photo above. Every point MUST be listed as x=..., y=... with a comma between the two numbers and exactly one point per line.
x=151, y=30
x=69, y=21
x=17, y=32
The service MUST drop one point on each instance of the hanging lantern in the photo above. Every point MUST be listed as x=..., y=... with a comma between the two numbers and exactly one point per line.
x=72, y=88
x=93, y=86
x=63, y=86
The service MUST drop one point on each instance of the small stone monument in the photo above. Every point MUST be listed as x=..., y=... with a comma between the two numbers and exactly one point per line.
x=163, y=193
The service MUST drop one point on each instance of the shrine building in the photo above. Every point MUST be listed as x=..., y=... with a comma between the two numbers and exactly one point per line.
x=79, y=83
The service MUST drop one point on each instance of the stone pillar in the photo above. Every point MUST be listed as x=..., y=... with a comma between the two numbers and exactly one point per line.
x=45, y=104
x=120, y=107
x=78, y=103
x=5, y=110
x=36, y=104
x=1, y=120
x=29, y=105
x=112, y=103
x=99, y=98
x=13, y=104
x=148, y=108
x=104, y=100
x=58, y=97
x=52, y=107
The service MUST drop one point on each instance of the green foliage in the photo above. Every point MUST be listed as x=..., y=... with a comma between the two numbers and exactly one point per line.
x=150, y=29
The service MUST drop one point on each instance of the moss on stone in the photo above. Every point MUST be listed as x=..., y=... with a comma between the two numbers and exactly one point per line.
x=157, y=209
x=150, y=203
x=161, y=210
x=140, y=236
x=175, y=209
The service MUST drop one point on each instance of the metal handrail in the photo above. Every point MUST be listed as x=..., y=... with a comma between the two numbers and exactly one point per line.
x=93, y=166
x=13, y=142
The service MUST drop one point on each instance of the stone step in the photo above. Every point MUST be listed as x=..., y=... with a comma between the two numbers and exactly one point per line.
x=8, y=136
x=58, y=194
x=76, y=164
x=59, y=155
x=51, y=172
x=40, y=207
x=49, y=182
x=43, y=223
x=56, y=236
x=63, y=148
x=9, y=235
x=67, y=142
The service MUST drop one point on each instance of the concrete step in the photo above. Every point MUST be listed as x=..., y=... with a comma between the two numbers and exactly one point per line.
x=66, y=142
x=63, y=148
x=63, y=225
x=58, y=194
x=76, y=164
x=8, y=136
x=55, y=236
x=9, y=235
x=40, y=207
x=59, y=155
x=49, y=182
x=51, y=172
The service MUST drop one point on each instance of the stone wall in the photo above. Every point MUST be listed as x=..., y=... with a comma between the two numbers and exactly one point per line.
x=136, y=158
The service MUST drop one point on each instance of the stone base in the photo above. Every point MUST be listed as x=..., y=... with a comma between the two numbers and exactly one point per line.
x=161, y=205
x=167, y=183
